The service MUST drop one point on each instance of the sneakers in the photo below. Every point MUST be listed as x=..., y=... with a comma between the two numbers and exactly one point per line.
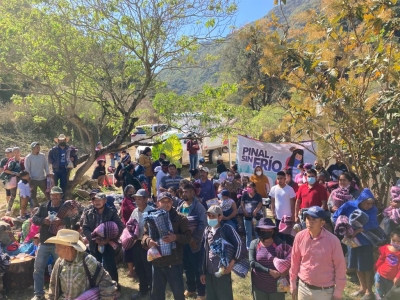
x=42, y=297
x=190, y=294
x=139, y=295
x=22, y=218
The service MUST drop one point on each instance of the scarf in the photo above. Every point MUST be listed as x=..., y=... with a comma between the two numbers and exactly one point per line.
x=340, y=196
x=393, y=214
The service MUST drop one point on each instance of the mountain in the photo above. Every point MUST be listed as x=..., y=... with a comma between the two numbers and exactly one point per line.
x=191, y=80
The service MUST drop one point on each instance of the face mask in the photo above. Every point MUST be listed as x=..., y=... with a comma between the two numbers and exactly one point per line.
x=395, y=246
x=258, y=173
x=250, y=190
x=265, y=235
x=311, y=180
x=229, y=178
x=161, y=159
x=24, y=181
x=317, y=167
x=62, y=144
x=212, y=222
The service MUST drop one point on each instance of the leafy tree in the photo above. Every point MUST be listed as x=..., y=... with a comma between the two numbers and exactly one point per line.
x=98, y=59
x=343, y=68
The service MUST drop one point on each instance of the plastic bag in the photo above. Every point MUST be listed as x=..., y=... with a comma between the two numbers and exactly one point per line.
x=282, y=285
x=153, y=254
x=220, y=272
x=351, y=242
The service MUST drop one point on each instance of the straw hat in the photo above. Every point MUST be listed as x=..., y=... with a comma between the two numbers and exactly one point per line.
x=62, y=137
x=67, y=237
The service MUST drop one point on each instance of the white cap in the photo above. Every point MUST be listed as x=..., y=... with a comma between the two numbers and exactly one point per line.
x=157, y=169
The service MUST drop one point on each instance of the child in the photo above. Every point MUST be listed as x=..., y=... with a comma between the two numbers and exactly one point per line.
x=36, y=243
x=229, y=209
x=388, y=266
x=24, y=194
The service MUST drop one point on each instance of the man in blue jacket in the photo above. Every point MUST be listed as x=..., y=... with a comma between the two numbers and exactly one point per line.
x=361, y=258
x=196, y=214
x=58, y=159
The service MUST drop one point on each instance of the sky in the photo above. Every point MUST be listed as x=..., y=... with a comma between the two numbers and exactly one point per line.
x=251, y=10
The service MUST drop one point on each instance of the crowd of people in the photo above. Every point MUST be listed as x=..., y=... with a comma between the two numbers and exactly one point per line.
x=207, y=228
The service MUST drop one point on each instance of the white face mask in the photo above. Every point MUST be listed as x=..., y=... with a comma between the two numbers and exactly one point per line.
x=258, y=173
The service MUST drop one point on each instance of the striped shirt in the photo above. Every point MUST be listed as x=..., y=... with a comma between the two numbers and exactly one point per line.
x=168, y=181
x=262, y=280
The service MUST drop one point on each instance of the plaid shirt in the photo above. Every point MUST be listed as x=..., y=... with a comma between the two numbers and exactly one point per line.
x=73, y=279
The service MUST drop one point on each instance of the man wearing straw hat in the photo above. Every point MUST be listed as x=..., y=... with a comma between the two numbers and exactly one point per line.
x=82, y=276
x=62, y=157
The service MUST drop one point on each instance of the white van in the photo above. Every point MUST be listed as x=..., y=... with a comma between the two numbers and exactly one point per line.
x=141, y=132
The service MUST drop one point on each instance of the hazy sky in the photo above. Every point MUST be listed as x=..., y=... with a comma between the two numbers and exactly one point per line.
x=251, y=10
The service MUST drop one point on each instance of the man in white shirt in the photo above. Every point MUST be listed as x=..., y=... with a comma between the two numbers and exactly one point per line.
x=160, y=174
x=283, y=199
x=37, y=166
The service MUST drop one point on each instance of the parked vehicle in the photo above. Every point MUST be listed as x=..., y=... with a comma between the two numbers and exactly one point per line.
x=210, y=148
x=142, y=132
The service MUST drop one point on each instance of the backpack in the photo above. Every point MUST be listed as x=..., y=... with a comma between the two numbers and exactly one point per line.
x=92, y=279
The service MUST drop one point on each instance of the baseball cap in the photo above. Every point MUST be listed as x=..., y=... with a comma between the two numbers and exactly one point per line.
x=56, y=190
x=225, y=193
x=34, y=144
x=205, y=169
x=164, y=195
x=94, y=191
x=8, y=150
x=101, y=196
x=141, y=193
x=37, y=236
x=215, y=210
x=315, y=212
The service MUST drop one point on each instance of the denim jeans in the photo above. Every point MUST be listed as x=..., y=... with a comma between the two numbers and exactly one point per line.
x=173, y=275
x=61, y=176
x=192, y=263
x=193, y=159
x=42, y=258
x=382, y=286
x=107, y=258
x=248, y=227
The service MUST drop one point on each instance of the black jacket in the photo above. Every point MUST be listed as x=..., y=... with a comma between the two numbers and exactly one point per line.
x=89, y=223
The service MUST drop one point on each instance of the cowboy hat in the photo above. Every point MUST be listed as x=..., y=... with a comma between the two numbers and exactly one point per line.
x=67, y=237
x=62, y=137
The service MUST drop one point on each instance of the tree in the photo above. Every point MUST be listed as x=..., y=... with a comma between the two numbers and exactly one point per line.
x=94, y=59
x=343, y=68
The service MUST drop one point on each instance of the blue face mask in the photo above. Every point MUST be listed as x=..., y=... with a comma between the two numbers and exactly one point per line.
x=311, y=180
x=212, y=222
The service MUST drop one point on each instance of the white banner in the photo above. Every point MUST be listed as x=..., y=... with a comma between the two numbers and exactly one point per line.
x=272, y=157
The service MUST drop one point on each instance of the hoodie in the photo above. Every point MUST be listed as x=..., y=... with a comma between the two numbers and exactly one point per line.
x=350, y=206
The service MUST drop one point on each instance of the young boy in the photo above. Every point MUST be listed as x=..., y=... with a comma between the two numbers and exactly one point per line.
x=24, y=194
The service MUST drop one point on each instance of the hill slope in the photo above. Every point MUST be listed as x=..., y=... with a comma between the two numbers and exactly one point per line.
x=191, y=80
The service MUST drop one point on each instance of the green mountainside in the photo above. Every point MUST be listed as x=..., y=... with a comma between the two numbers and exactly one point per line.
x=192, y=79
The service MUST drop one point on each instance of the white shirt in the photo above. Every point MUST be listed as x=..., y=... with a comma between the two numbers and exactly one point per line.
x=282, y=200
x=138, y=216
x=24, y=189
x=159, y=175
